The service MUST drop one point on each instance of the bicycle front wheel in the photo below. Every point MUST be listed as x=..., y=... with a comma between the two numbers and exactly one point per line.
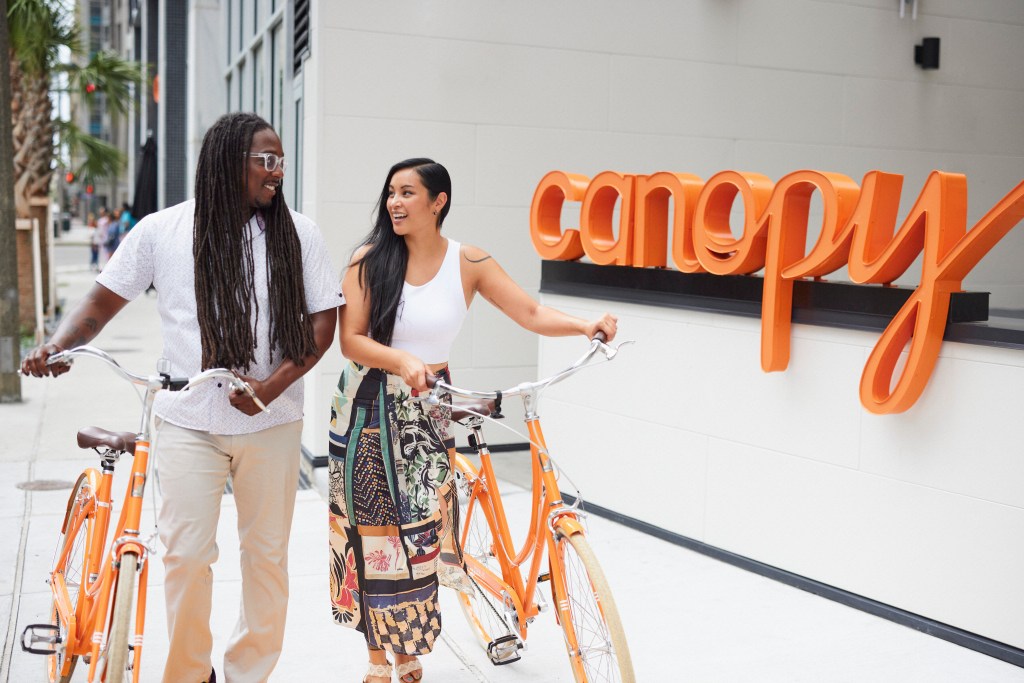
x=594, y=637
x=74, y=533
x=483, y=611
x=116, y=669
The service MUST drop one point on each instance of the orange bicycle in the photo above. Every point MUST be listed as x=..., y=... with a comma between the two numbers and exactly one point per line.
x=504, y=602
x=94, y=586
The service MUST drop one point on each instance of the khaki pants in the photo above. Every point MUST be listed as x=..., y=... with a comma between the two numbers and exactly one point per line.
x=193, y=470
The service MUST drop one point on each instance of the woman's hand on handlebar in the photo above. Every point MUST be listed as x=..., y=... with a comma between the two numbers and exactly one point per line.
x=413, y=371
x=606, y=324
x=35, y=362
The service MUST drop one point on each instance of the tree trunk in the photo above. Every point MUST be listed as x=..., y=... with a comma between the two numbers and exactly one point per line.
x=33, y=152
x=31, y=115
x=10, y=337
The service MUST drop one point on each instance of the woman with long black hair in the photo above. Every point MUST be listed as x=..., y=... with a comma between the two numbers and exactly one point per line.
x=408, y=289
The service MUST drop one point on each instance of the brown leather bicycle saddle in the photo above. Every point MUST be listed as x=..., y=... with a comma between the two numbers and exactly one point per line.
x=460, y=411
x=96, y=437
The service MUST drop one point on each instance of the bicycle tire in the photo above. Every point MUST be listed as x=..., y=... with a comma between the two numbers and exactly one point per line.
x=60, y=666
x=602, y=652
x=119, y=636
x=482, y=610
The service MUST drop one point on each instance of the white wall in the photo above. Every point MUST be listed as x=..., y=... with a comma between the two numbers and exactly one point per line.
x=785, y=468
x=919, y=510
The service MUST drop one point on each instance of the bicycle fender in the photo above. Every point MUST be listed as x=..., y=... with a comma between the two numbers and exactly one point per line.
x=126, y=546
x=93, y=479
x=567, y=526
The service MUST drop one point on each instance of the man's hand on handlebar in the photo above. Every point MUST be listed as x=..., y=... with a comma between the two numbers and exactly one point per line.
x=35, y=363
x=250, y=404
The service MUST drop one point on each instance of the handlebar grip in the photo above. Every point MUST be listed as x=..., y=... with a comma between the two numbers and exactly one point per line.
x=177, y=383
x=431, y=381
x=600, y=336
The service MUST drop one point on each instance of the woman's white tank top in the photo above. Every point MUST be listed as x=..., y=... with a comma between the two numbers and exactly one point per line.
x=430, y=315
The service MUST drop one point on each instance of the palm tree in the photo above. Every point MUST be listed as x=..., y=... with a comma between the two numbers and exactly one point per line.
x=41, y=31
x=40, y=34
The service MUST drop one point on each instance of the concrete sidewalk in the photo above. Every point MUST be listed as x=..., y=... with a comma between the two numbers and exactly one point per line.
x=688, y=617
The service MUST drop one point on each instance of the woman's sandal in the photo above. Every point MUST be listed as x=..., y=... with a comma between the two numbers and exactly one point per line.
x=406, y=671
x=378, y=670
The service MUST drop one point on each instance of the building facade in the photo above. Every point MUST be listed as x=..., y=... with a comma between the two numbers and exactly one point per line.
x=910, y=511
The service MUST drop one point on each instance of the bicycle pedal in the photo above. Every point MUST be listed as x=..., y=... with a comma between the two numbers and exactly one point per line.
x=45, y=634
x=504, y=650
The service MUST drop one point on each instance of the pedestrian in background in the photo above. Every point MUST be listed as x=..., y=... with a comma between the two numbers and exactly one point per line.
x=126, y=221
x=213, y=259
x=111, y=238
x=94, y=242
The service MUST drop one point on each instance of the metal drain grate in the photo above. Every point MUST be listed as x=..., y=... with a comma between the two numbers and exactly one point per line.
x=45, y=485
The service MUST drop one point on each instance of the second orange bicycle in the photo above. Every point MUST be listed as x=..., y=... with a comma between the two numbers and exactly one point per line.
x=505, y=598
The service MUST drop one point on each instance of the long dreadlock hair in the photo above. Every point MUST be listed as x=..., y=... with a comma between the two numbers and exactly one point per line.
x=382, y=267
x=224, y=267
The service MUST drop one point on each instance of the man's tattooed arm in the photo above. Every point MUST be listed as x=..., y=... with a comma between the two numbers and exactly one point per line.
x=76, y=336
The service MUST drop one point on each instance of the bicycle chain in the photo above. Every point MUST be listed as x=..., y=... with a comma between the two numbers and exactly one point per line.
x=508, y=631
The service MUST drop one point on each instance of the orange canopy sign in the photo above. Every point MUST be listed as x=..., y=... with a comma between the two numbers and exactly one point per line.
x=858, y=231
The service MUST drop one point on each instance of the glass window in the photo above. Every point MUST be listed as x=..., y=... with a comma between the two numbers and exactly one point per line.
x=297, y=200
x=241, y=85
x=230, y=5
x=277, y=62
x=258, y=80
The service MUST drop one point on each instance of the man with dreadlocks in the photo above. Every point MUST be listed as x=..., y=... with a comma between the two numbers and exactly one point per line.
x=242, y=283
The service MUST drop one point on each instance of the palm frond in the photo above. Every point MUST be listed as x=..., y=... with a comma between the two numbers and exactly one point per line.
x=101, y=159
x=105, y=73
x=39, y=29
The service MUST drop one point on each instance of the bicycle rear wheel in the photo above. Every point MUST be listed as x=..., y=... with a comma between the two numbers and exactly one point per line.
x=116, y=669
x=484, y=612
x=601, y=652
x=73, y=535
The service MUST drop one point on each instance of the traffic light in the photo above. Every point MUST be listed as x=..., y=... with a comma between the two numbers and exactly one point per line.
x=69, y=177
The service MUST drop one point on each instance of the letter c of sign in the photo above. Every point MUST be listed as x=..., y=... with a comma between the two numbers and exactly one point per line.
x=550, y=241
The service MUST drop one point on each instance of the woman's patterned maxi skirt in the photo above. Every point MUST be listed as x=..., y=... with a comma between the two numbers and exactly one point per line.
x=393, y=509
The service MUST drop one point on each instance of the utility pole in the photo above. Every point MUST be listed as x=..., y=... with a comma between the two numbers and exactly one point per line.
x=10, y=333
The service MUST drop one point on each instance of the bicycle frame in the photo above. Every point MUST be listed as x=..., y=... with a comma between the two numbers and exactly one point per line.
x=93, y=609
x=545, y=497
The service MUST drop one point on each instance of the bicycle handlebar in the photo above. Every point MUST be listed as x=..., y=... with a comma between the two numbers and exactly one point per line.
x=438, y=386
x=162, y=380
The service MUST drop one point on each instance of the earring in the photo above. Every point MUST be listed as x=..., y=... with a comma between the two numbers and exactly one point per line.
x=435, y=213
